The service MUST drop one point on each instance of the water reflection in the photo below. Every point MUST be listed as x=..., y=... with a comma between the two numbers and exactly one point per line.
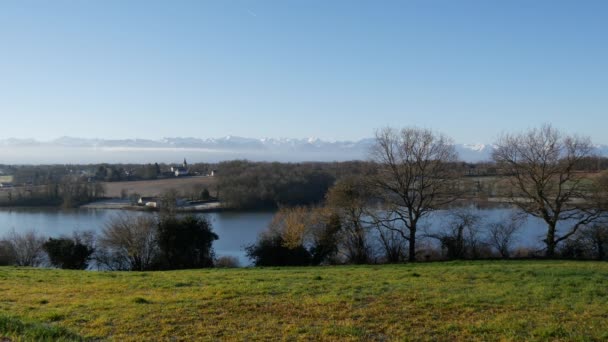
x=235, y=229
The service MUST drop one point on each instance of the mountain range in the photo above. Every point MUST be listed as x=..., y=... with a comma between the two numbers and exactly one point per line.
x=81, y=150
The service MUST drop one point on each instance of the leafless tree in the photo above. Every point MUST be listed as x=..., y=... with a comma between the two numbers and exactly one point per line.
x=24, y=249
x=415, y=177
x=460, y=236
x=502, y=234
x=392, y=243
x=168, y=204
x=128, y=242
x=541, y=168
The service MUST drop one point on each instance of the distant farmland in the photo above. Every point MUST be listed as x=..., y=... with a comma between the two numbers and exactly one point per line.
x=184, y=185
x=6, y=179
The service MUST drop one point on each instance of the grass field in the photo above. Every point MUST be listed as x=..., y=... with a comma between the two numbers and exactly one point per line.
x=184, y=185
x=486, y=300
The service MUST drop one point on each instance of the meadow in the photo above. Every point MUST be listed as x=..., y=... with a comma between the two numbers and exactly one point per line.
x=465, y=301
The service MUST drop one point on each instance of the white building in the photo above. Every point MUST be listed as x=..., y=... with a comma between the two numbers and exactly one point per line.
x=181, y=170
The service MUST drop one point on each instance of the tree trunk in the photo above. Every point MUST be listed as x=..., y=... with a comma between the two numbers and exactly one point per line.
x=550, y=241
x=412, y=256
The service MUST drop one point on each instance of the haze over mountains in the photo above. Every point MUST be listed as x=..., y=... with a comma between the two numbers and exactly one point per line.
x=168, y=150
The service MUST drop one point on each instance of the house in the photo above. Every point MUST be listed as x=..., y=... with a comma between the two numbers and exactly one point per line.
x=149, y=202
x=155, y=202
x=180, y=170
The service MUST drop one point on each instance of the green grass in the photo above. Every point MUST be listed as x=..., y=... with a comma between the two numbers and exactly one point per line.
x=485, y=301
x=15, y=329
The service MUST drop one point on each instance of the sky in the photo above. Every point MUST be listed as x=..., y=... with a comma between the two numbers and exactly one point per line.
x=335, y=70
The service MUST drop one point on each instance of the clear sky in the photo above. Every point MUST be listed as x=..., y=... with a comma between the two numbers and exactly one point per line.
x=327, y=69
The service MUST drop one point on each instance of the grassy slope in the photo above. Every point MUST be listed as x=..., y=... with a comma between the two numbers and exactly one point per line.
x=515, y=300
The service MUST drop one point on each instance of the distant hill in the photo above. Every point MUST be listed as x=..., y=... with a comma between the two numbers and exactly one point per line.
x=80, y=150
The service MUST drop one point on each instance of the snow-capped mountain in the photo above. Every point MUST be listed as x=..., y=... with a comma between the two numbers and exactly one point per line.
x=474, y=152
x=80, y=150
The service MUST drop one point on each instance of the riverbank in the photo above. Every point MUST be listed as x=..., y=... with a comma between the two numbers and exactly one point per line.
x=456, y=301
x=125, y=204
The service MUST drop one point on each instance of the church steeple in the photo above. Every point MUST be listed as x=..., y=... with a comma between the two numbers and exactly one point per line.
x=185, y=164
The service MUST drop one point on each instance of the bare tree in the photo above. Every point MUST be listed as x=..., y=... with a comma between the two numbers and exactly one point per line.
x=415, y=177
x=24, y=249
x=129, y=242
x=502, y=234
x=460, y=237
x=541, y=168
x=393, y=244
x=168, y=204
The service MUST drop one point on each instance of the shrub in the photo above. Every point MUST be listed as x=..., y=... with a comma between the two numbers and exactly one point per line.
x=128, y=242
x=23, y=249
x=205, y=194
x=271, y=250
x=186, y=242
x=68, y=253
x=227, y=262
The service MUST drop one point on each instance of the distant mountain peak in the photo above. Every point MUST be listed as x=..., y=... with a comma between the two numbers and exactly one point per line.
x=209, y=149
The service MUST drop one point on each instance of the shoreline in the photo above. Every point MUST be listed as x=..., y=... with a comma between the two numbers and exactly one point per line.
x=119, y=204
x=212, y=207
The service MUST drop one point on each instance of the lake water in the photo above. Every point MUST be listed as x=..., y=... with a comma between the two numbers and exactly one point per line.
x=235, y=229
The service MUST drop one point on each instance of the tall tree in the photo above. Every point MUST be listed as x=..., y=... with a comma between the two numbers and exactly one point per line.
x=541, y=166
x=348, y=199
x=415, y=177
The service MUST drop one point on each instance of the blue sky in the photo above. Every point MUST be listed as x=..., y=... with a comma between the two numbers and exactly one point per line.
x=327, y=69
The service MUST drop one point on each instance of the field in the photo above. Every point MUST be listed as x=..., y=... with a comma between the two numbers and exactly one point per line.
x=6, y=179
x=184, y=185
x=485, y=300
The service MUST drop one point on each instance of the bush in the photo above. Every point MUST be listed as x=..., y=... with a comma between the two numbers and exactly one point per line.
x=23, y=249
x=270, y=250
x=186, y=242
x=298, y=236
x=7, y=256
x=205, y=194
x=227, y=262
x=68, y=253
x=128, y=242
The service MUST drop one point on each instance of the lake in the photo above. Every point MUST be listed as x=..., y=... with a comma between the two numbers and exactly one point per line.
x=235, y=229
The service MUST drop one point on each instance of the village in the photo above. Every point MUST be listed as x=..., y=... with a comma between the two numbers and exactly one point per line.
x=129, y=187
x=181, y=188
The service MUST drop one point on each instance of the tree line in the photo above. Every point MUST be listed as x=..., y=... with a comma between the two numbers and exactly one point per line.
x=414, y=177
x=69, y=192
x=46, y=174
x=261, y=185
x=364, y=212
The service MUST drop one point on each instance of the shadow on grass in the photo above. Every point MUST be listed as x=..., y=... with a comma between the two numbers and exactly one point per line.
x=13, y=328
